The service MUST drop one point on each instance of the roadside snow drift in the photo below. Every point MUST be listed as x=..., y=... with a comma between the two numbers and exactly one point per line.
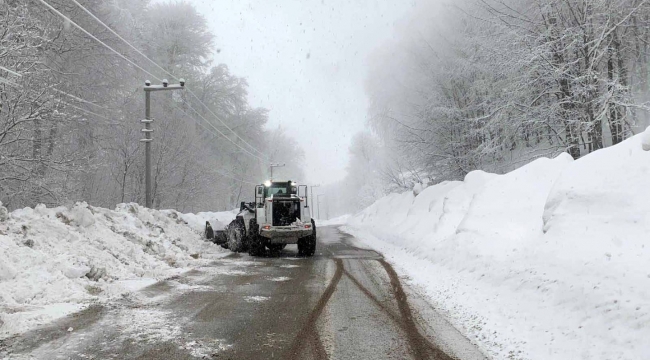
x=551, y=261
x=58, y=260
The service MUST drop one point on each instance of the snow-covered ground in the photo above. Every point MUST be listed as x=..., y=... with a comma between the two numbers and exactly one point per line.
x=551, y=261
x=55, y=261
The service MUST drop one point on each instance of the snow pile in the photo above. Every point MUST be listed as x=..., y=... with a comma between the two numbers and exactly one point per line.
x=434, y=215
x=508, y=211
x=56, y=260
x=547, y=262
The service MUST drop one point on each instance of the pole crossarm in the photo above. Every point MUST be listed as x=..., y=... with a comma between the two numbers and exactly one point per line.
x=162, y=87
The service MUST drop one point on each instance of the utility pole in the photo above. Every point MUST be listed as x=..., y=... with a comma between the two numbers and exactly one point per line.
x=148, y=88
x=327, y=208
x=274, y=166
x=312, y=196
x=318, y=204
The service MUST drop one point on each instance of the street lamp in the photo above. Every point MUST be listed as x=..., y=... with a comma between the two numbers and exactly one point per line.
x=148, y=88
x=274, y=166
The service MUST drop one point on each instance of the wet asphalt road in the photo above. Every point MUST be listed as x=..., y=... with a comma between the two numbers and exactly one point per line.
x=343, y=303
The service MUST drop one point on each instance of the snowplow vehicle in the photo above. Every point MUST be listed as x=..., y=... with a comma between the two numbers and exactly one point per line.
x=279, y=216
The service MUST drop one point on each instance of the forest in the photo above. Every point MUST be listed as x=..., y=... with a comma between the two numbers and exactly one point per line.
x=72, y=74
x=494, y=84
x=462, y=85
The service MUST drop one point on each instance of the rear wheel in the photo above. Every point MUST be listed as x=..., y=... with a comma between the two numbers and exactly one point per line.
x=237, y=236
x=312, y=240
x=255, y=246
x=307, y=246
x=312, y=246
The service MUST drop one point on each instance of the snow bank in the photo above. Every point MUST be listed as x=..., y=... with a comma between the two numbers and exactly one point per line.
x=547, y=262
x=58, y=260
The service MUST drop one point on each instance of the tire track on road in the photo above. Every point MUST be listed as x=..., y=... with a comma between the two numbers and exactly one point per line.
x=421, y=347
x=309, y=333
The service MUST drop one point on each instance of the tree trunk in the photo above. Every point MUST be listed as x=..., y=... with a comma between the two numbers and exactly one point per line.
x=613, y=116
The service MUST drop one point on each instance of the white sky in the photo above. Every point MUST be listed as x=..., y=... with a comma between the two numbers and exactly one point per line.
x=305, y=62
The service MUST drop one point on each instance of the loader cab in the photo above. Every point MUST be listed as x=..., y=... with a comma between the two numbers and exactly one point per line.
x=281, y=203
x=280, y=189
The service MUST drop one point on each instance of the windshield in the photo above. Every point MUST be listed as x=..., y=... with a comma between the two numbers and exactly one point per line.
x=276, y=189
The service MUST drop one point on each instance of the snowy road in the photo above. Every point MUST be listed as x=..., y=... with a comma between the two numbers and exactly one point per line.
x=344, y=303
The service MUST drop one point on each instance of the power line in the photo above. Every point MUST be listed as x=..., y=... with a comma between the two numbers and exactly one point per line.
x=3, y=80
x=224, y=124
x=214, y=170
x=224, y=135
x=94, y=38
x=215, y=128
x=137, y=66
x=165, y=71
x=198, y=123
x=120, y=37
x=84, y=110
x=78, y=98
x=232, y=177
x=53, y=88
x=10, y=71
x=213, y=134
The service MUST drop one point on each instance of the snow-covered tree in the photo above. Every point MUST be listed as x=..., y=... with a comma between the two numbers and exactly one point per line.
x=70, y=109
x=493, y=84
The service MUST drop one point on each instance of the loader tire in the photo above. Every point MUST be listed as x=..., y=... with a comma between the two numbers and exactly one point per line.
x=311, y=250
x=237, y=236
x=307, y=246
x=255, y=246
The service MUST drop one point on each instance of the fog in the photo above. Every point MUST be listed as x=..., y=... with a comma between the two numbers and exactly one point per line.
x=306, y=61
